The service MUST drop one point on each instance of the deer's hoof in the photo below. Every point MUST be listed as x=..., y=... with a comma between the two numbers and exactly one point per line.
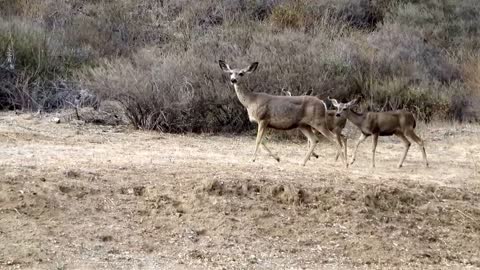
x=399, y=166
x=278, y=159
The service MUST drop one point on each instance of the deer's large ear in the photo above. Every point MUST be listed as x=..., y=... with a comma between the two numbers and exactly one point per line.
x=334, y=101
x=224, y=66
x=252, y=67
x=353, y=102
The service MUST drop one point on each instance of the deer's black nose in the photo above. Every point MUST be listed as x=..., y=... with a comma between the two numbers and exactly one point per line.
x=337, y=115
x=233, y=80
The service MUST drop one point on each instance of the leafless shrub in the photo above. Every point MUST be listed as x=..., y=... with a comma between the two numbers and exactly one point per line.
x=33, y=81
x=468, y=104
x=446, y=24
x=187, y=92
x=171, y=93
x=400, y=51
x=360, y=14
x=159, y=58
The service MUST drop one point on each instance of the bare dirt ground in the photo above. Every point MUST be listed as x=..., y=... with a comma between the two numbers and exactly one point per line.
x=76, y=196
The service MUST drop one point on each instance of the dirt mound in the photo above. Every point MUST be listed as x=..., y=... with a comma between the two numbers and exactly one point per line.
x=285, y=193
x=27, y=197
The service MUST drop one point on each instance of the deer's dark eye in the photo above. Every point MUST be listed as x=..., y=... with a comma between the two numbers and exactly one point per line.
x=241, y=74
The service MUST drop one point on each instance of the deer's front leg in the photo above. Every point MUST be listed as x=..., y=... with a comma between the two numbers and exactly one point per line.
x=270, y=152
x=262, y=126
x=360, y=140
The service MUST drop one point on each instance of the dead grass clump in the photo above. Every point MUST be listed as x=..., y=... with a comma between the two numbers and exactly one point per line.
x=213, y=187
x=72, y=174
x=285, y=194
x=138, y=190
x=388, y=199
x=106, y=238
x=279, y=193
x=290, y=15
x=108, y=116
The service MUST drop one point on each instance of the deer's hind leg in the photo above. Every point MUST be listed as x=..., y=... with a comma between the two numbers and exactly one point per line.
x=331, y=137
x=309, y=142
x=420, y=143
x=344, y=145
x=312, y=142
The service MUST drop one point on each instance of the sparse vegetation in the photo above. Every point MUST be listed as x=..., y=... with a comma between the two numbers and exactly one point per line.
x=159, y=58
x=100, y=197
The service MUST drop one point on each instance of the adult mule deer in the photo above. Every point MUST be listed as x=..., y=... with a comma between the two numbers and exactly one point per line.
x=280, y=112
x=401, y=123
x=334, y=123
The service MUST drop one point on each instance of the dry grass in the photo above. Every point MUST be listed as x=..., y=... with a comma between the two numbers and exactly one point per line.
x=78, y=196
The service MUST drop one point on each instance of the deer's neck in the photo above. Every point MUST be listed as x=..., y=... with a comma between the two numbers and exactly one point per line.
x=244, y=96
x=356, y=118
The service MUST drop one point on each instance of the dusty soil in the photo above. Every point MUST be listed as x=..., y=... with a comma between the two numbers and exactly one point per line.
x=78, y=196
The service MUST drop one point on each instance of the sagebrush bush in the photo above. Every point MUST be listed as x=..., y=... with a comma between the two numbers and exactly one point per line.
x=448, y=24
x=360, y=14
x=186, y=91
x=159, y=58
x=290, y=15
x=400, y=51
x=41, y=64
x=171, y=93
x=470, y=101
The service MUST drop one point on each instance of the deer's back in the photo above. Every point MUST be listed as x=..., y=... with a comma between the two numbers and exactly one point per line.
x=284, y=112
x=388, y=123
